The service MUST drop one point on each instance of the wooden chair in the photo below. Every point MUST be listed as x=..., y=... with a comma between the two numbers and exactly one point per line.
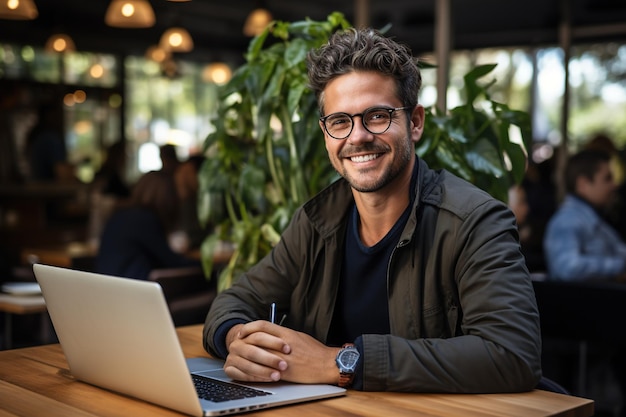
x=188, y=293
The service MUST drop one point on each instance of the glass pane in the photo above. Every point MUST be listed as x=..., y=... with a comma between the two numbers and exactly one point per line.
x=548, y=111
x=162, y=109
x=92, y=123
x=28, y=62
x=598, y=93
x=89, y=69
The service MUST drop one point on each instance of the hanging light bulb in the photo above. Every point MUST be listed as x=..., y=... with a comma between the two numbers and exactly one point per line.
x=18, y=10
x=217, y=72
x=176, y=39
x=130, y=14
x=60, y=42
x=157, y=54
x=257, y=21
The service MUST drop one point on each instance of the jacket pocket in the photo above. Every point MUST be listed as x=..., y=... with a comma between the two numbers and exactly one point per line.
x=435, y=322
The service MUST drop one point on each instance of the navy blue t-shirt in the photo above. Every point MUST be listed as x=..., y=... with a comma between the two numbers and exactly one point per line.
x=362, y=302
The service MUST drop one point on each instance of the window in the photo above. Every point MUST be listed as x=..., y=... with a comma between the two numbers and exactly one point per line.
x=164, y=109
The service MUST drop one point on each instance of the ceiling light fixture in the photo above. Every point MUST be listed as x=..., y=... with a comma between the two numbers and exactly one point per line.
x=176, y=39
x=130, y=14
x=257, y=21
x=18, y=10
x=157, y=54
x=59, y=43
x=217, y=72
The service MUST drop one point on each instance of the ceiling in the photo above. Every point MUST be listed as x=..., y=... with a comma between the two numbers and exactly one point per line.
x=216, y=26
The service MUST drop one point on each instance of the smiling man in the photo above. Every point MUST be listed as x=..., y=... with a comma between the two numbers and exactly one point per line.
x=396, y=277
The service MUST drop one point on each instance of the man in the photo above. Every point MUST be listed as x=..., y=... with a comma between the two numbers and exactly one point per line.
x=418, y=269
x=579, y=243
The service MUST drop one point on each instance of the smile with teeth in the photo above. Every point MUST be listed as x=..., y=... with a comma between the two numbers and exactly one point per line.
x=365, y=158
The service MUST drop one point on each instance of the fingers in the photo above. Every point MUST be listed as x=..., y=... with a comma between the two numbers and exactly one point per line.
x=266, y=335
x=254, y=355
x=242, y=369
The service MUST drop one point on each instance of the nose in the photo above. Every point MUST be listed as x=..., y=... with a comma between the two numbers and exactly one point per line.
x=359, y=133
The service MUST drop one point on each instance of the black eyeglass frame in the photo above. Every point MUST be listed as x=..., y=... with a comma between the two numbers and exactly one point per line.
x=391, y=110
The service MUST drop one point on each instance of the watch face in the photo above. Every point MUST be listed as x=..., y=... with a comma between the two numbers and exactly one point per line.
x=348, y=358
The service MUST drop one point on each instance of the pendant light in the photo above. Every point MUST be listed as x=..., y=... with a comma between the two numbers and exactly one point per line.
x=257, y=21
x=157, y=54
x=18, y=10
x=130, y=14
x=60, y=43
x=217, y=72
x=176, y=39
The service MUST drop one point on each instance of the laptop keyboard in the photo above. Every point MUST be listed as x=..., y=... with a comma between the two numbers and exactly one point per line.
x=219, y=391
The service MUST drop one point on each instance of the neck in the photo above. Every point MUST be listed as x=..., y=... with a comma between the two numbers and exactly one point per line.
x=380, y=210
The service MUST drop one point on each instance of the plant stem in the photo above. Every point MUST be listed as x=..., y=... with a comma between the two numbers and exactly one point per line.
x=296, y=180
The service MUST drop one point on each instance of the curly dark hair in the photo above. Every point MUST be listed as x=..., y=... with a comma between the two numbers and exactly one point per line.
x=364, y=50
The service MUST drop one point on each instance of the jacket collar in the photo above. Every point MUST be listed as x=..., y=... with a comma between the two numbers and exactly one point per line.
x=327, y=210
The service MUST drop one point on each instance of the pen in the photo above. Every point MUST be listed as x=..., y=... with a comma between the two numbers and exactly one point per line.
x=273, y=313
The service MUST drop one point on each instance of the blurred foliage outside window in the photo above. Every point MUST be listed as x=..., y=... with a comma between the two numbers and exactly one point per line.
x=164, y=109
x=597, y=79
x=177, y=108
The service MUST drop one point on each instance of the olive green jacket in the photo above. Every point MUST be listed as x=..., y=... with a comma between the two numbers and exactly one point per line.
x=462, y=310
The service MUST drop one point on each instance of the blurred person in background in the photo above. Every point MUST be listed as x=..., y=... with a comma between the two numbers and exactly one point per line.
x=186, y=177
x=579, y=243
x=169, y=158
x=108, y=190
x=135, y=238
x=45, y=146
x=110, y=178
x=530, y=240
x=615, y=212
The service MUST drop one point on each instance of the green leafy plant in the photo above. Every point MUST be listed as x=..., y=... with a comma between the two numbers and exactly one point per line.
x=473, y=140
x=267, y=153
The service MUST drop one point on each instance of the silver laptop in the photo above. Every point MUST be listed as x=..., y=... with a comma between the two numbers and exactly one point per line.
x=117, y=333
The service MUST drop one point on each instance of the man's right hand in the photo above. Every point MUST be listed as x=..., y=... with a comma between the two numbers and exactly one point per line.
x=252, y=353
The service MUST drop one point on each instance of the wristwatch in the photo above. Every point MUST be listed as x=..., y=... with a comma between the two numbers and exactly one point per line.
x=346, y=360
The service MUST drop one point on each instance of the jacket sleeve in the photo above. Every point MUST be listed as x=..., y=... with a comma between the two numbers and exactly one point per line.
x=272, y=279
x=490, y=340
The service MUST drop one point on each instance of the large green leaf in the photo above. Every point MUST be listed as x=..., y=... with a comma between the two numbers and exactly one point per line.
x=472, y=88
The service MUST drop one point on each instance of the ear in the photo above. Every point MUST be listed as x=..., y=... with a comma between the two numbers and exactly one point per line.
x=417, y=123
x=583, y=184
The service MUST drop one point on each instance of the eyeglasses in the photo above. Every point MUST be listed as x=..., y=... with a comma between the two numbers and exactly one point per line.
x=376, y=120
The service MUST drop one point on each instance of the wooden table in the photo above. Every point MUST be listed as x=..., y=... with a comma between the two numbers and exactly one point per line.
x=18, y=304
x=71, y=255
x=35, y=382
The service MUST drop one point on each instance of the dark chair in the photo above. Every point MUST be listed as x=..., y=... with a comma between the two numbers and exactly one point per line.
x=581, y=315
x=547, y=384
x=188, y=293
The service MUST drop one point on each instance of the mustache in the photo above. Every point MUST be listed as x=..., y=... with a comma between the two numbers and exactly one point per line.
x=349, y=150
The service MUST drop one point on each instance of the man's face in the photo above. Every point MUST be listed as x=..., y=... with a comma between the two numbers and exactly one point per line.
x=370, y=161
x=601, y=189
